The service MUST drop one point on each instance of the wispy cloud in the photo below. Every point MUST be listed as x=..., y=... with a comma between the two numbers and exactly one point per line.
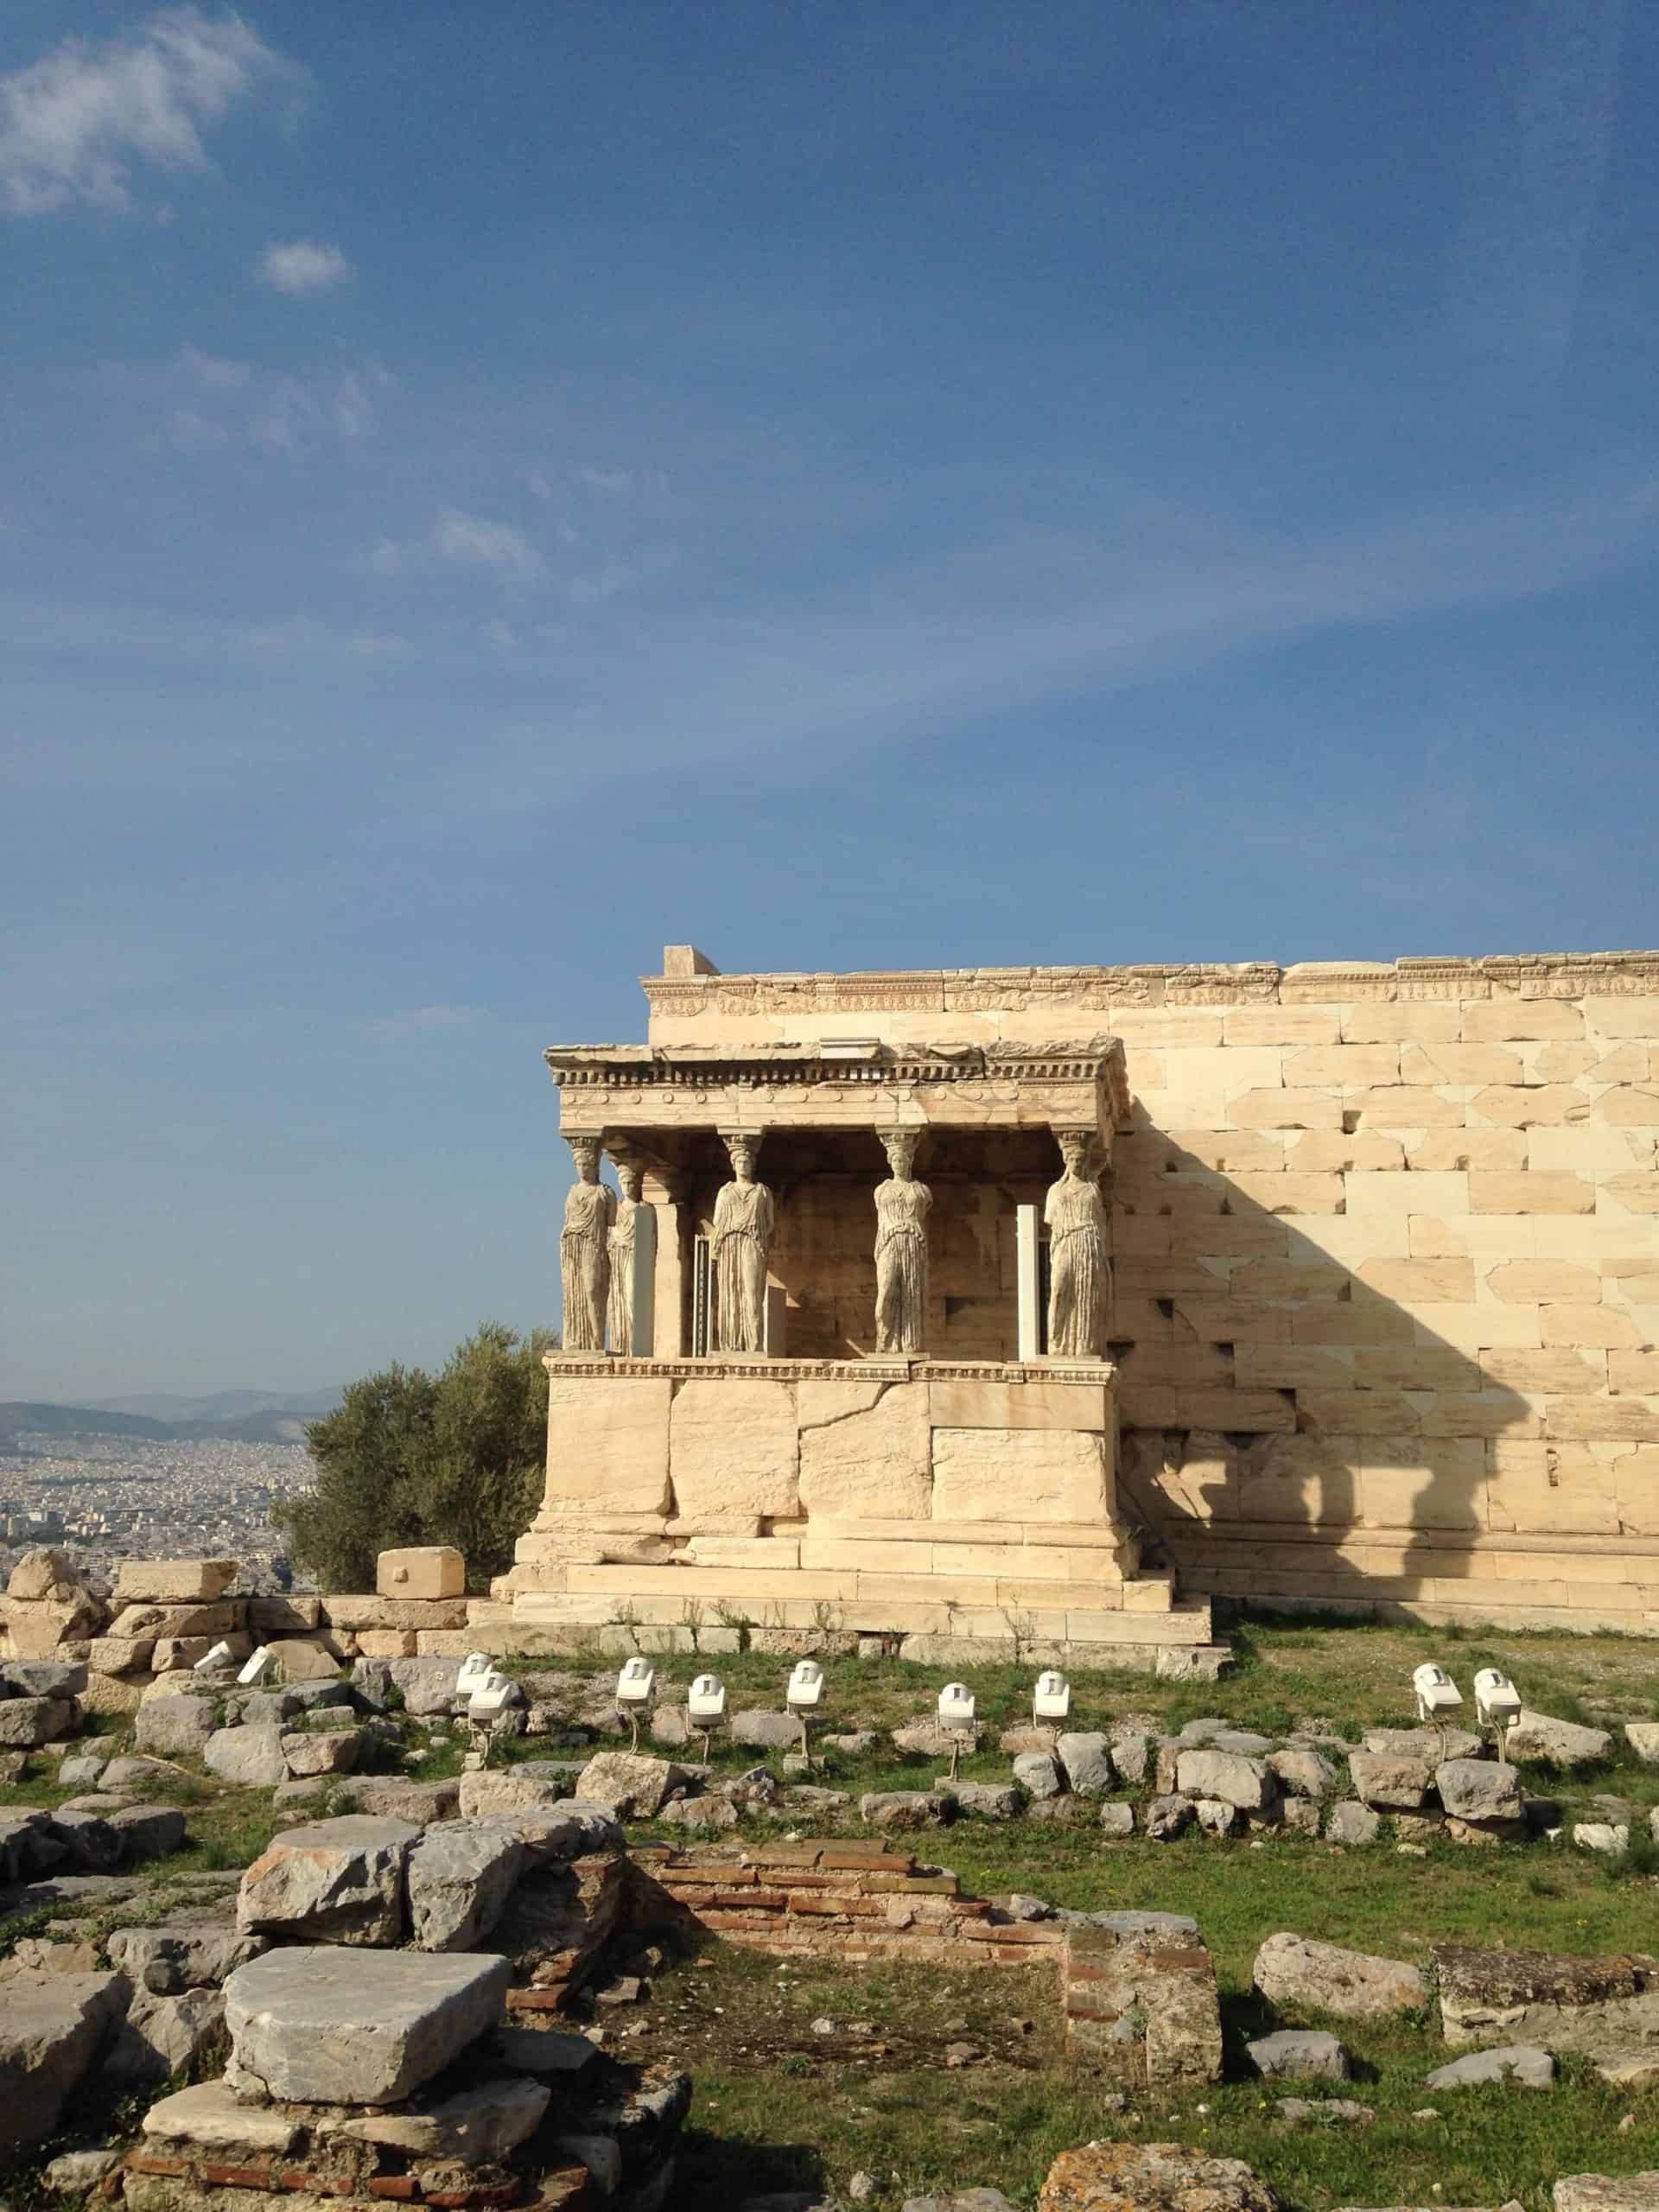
x=304, y=267
x=1538, y=171
x=463, y=541
x=214, y=402
x=77, y=124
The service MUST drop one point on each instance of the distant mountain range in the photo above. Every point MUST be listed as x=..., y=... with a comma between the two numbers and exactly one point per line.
x=235, y=1416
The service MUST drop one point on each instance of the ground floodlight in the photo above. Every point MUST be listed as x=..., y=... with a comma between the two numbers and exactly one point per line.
x=705, y=1700
x=705, y=1707
x=1436, y=1691
x=490, y=1697
x=257, y=1667
x=803, y=1695
x=957, y=1713
x=474, y=1667
x=956, y=1705
x=220, y=1656
x=1051, y=1697
x=1497, y=1699
x=635, y=1686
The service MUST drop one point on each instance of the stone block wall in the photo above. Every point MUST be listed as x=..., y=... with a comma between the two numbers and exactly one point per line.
x=1387, y=1261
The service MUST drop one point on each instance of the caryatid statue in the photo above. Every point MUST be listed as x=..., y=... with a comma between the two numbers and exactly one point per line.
x=584, y=1250
x=901, y=1211
x=632, y=1177
x=1080, y=1280
x=743, y=1224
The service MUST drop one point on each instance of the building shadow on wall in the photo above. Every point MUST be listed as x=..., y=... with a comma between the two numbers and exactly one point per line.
x=1294, y=1429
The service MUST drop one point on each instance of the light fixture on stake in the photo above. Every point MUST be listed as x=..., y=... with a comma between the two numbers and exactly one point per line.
x=803, y=1696
x=211, y=1662
x=957, y=1714
x=1437, y=1695
x=1050, y=1698
x=1497, y=1704
x=489, y=1696
x=257, y=1667
x=705, y=1707
x=635, y=1688
x=475, y=1668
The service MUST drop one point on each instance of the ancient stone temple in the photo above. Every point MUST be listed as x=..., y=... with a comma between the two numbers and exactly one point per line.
x=1030, y=1308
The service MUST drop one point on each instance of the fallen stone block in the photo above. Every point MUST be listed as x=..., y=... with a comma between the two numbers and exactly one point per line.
x=1302, y=1773
x=631, y=1783
x=903, y=1808
x=307, y=1752
x=174, y=1725
x=475, y=2126
x=1602, y=2006
x=125, y=1773
x=26, y=1723
x=985, y=1801
x=458, y=1877
x=163, y=2036
x=1169, y=1817
x=1154, y=2177
x=148, y=1831
x=421, y=1686
x=1479, y=1790
x=1226, y=1777
x=1293, y=1970
x=1427, y=1745
x=1324, y=2112
x=45, y=1572
x=337, y=1881
x=60, y=1678
x=52, y=2028
x=767, y=1731
x=1607, y=2193
x=1521, y=2064
x=1117, y=1819
x=1642, y=1736
x=927, y=1737
x=1558, y=1743
x=1143, y=2006
x=1039, y=1774
x=196, y=1950
x=211, y=2114
x=1302, y=2053
x=1607, y=1837
x=31, y=1846
x=319, y=2025
x=93, y=1846
x=1086, y=1759
x=1387, y=1784
x=303, y=1662
x=510, y=1789
x=252, y=1757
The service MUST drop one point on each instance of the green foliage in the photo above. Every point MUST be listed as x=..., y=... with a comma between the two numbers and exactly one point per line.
x=409, y=1458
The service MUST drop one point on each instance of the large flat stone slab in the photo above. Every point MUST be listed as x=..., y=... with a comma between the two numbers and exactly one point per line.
x=52, y=2029
x=1293, y=1970
x=459, y=1877
x=734, y=1448
x=336, y=1881
x=319, y=2025
x=1054, y=1474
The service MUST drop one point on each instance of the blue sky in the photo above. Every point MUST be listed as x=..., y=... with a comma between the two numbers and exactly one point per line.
x=488, y=491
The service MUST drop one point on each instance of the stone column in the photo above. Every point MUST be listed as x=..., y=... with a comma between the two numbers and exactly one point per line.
x=1028, y=1278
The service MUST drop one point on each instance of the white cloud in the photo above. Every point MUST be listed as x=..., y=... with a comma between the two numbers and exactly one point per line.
x=472, y=540
x=304, y=266
x=76, y=125
x=216, y=402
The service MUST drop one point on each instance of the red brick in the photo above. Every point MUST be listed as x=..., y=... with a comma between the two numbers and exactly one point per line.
x=536, y=2000
x=826, y=1908
x=247, y=2178
x=850, y=1858
x=402, y=2187
x=149, y=2162
x=750, y=1900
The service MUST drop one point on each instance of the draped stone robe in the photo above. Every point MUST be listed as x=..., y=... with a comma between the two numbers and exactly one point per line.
x=743, y=1225
x=585, y=1264
x=1078, y=1276
x=901, y=1211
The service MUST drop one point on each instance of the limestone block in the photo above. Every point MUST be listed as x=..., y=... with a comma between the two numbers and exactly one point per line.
x=337, y=1881
x=1478, y=1790
x=303, y=1662
x=1419, y=1192
x=1562, y=1743
x=323, y=2026
x=45, y=1572
x=372, y=1613
x=1532, y=1192
x=1045, y=1474
x=1606, y=1420
x=40, y=1627
x=1405, y=1106
x=1484, y=1151
x=52, y=2029
x=1504, y=1020
x=173, y=1581
x=173, y=1724
x=1292, y=1970
x=119, y=1655
x=962, y=1403
x=248, y=1755
x=386, y=1643
x=1227, y=1778
x=733, y=1447
x=310, y=1752
x=459, y=1878
x=283, y=1616
x=630, y=1783
x=860, y=1459
x=210, y=2114
x=422, y=1571
x=1525, y=1282
x=1285, y=1108
x=607, y=1442
x=475, y=2126
x=1629, y=1106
